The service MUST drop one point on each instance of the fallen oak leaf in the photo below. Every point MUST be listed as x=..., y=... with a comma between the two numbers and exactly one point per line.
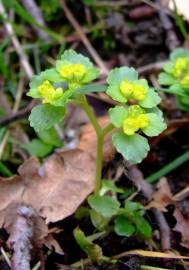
x=164, y=197
x=54, y=191
x=182, y=226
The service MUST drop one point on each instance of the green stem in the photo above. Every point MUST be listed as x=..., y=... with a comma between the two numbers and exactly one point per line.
x=100, y=133
x=85, y=106
x=99, y=162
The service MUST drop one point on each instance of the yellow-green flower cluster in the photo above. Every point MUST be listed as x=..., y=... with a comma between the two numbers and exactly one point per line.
x=133, y=90
x=135, y=120
x=124, y=86
x=180, y=67
x=72, y=71
x=48, y=92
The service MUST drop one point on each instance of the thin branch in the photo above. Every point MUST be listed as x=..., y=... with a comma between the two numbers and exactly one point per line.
x=154, y=67
x=35, y=12
x=83, y=37
x=18, y=115
x=20, y=238
x=136, y=176
x=23, y=58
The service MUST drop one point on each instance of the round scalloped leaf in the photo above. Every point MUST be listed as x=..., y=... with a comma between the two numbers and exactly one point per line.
x=91, y=75
x=123, y=227
x=50, y=137
x=151, y=100
x=117, y=75
x=73, y=57
x=168, y=67
x=45, y=116
x=155, y=126
x=179, y=52
x=114, y=92
x=166, y=79
x=133, y=148
x=117, y=115
x=38, y=148
x=143, y=227
x=104, y=205
x=177, y=90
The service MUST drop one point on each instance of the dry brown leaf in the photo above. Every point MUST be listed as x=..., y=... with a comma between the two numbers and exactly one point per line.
x=162, y=198
x=182, y=226
x=54, y=190
x=88, y=140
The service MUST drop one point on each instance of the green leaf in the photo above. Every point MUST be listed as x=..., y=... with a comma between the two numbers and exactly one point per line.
x=104, y=205
x=166, y=79
x=132, y=207
x=133, y=148
x=93, y=251
x=91, y=75
x=168, y=67
x=151, y=100
x=50, y=136
x=100, y=222
x=51, y=75
x=4, y=170
x=109, y=185
x=155, y=126
x=74, y=58
x=90, y=88
x=123, y=227
x=143, y=227
x=179, y=52
x=117, y=75
x=38, y=148
x=45, y=116
x=118, y=115
x=175, y=89
x=114, y=92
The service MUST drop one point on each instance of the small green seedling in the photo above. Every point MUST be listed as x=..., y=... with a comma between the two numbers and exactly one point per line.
x=175, y=76
x=135, y=118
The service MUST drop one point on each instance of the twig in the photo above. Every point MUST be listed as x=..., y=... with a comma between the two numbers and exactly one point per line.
x=154, y=67
x=36, y=13
x=111, y=3
x=172, y=41
x=20, y=238
x=18, y=115
x=4, y=142
x=157, y=7
x=83, y=37
x=23, y=58
x=5, y=256
x=136, y=176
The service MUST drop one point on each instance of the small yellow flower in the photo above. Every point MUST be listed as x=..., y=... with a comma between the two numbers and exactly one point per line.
x=48, y=92
x=135, y=120
x=179, y=67
x=185, y=81
x=72, y=71
x=133, y=90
